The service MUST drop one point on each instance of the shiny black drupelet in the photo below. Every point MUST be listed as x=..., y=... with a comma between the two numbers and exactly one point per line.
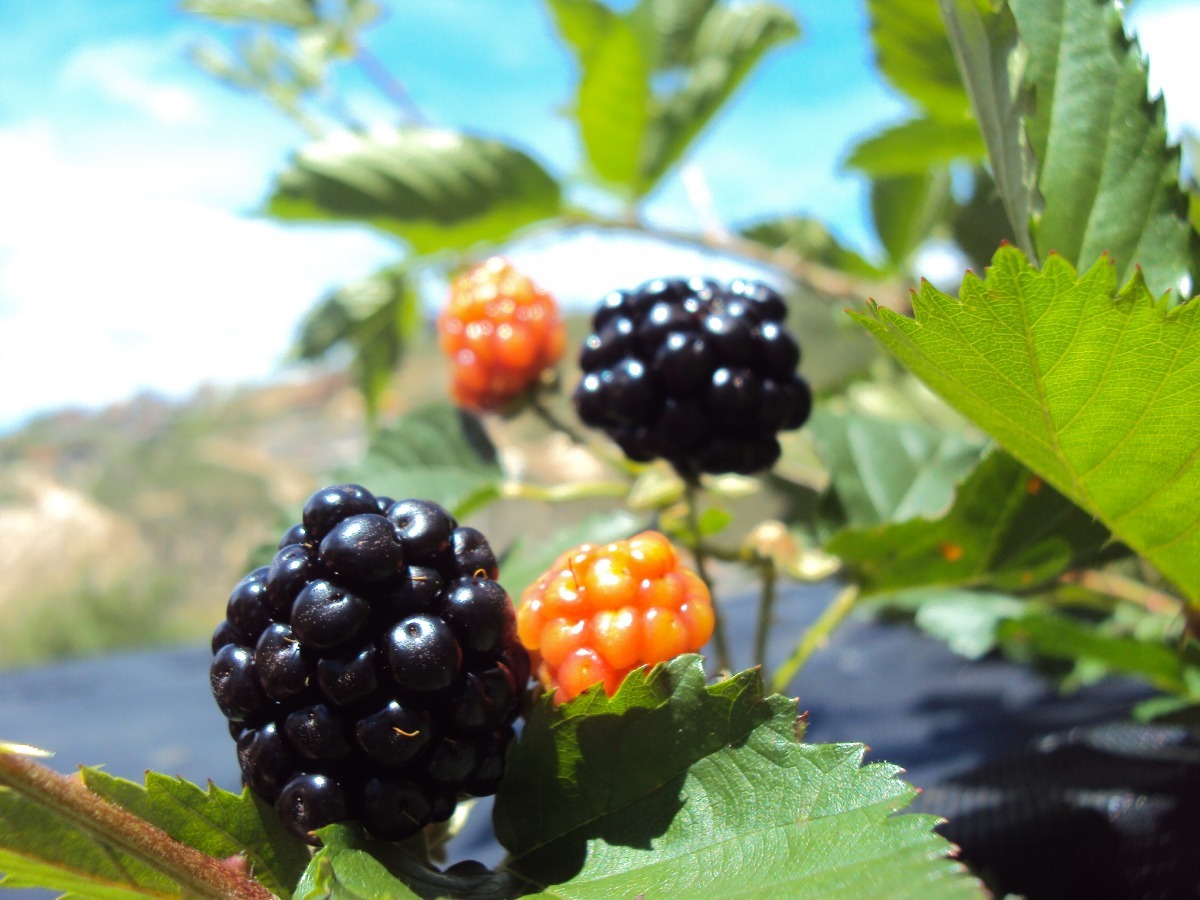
x=372, y=671
x=696, y=372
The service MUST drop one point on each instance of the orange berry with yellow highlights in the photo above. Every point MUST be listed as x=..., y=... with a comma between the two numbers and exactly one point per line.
x=600, y=612
x=500, y=332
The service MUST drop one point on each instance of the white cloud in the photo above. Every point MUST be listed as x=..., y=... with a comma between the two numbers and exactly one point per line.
x=108, y=287
x=1167, y=32
x=135, y=73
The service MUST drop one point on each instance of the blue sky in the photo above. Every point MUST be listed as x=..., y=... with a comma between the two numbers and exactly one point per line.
x=131, y=257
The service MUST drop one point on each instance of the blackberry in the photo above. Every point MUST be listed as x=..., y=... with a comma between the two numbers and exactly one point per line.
x=695, y=372
x=373, y=670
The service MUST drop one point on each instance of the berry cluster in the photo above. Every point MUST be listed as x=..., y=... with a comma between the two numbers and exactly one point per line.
x=600, y=612
x=372, y=670
x=695, y=372
x=500, y=332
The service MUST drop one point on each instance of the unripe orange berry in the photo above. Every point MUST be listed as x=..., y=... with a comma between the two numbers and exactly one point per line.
x=500, y=332
x=600, y=612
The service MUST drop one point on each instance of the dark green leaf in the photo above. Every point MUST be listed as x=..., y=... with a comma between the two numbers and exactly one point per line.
x=437, y=452
x=980, y=224
x=916, y=146
x=527, y=560
x=730, y=42
x=1056, y=636
x=1006, y=530
x=905, y=209
x=991, y=60
x=809, y=239
x=436, y=189
x=885, y=470
x=1108, y=180
x=215, y=822
x=913, y=52
x=680, y=789
x=377, y=316
x=672, y=27
x=296, y=13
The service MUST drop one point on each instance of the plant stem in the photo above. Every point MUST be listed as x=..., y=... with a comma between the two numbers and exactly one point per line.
x=720, y=641
x=816, y=637
x=561, y=493
x=766, y=606
x=1133, y=591
x=199, y=874
x=553, y=420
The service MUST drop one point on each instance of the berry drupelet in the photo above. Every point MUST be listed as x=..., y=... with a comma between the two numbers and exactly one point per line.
x=372, y=671
x=695, y=372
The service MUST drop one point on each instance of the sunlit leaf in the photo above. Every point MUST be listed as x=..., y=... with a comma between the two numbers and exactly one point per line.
x=679, y=789
x=915, y=146
x=1097, y=391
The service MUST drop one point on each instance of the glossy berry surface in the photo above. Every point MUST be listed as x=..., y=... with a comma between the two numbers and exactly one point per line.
x=600, y=612
x=372, y=671
x=500, y=332
x=695, y=372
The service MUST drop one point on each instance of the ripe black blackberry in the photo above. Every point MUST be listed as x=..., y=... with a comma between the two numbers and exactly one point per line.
x=372, y=671
x=695, y=372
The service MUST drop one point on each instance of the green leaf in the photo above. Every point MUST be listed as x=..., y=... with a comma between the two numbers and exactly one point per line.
x=377, y=316
x=215, y=822
x=809, y=239
x=730, y=42
x=966, y=620
x=39, y=848
x=677, y=789
x=527, y=560
x=582, y=24
x=1097, y=392
x=991, y=60
x=915, y=146
x=980, y=224
x=1109, y=182
x=672, y=25
x=905, y=209
x=1057, y=636
x=436, y=452
x=884, y=470
x=296, y=13
x=1006, y=529
x=435, y=189
x=913, y=51
x=614, y=105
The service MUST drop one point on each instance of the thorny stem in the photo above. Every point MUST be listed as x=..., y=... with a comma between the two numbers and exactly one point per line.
x=816, y=637
x=553, y=421
x=199, y=874
x=822, y=279
x=560, y=493
x=1133, y=591
x=766, y=606
x=691, y=486
x=390, y=86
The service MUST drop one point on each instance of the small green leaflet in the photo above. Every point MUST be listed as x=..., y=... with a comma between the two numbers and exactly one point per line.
x=1006, y=530
x=435, y=189
x=884, y=470
x=1097, y=392
x=215, y=822
x=673, y=788
x=436, y=452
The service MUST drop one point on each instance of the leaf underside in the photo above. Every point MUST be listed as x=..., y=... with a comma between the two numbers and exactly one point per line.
x=1097, y=392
